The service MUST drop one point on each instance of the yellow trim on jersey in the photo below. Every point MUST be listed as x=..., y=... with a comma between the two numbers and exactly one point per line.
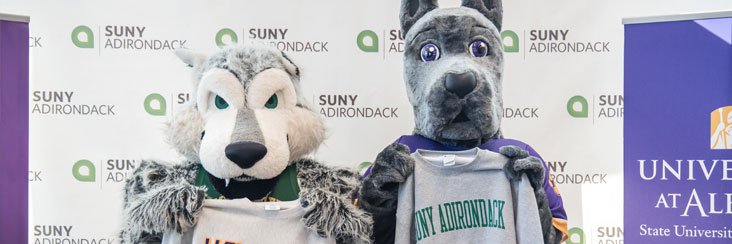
x=554, y=186
x=561, y=225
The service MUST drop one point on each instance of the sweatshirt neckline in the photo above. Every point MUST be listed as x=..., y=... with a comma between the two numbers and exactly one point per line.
x=476, y=153
x=289, y=209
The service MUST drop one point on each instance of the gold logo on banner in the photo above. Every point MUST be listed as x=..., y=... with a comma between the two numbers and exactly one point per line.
x=721, y=128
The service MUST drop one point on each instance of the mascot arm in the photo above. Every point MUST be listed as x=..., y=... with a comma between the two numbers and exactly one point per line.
x=380, y=189
x=160, y=198
x=554, y=199
x=521, y=162
x=327, y=196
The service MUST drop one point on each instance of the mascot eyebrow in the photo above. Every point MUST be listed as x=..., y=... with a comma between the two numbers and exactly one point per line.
x=246, y=133
x=431, y=29
x=233, y=73
x=453, y=72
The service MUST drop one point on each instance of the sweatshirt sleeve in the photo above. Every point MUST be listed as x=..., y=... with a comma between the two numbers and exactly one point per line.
x=528, y=225
x=405, y=213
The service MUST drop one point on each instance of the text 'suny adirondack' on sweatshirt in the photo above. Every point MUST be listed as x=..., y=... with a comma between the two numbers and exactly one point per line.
x=240, y=221
x=465, y=197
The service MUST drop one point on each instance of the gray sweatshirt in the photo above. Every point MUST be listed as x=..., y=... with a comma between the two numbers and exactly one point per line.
x=242, y=221
x=465, y=197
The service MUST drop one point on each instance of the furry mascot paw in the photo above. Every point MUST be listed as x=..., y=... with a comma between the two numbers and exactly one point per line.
x=380, y=189
x=245, y=134
x=327, y=211
x=159, y=198
x=392, y=167
x=520, y=162
x=453, y=71
x=326, y=214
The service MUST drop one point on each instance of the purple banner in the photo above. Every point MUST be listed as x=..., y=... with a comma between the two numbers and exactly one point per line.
x=13, y=131
x=678, y=132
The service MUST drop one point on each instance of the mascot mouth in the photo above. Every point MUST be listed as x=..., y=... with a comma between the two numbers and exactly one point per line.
x=243, y=186
x=461, y=117
x=460, y=128
x=244, y=177
x=226, y=182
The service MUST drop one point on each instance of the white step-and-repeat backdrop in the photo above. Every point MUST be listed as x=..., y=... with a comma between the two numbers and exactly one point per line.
x=104, y=81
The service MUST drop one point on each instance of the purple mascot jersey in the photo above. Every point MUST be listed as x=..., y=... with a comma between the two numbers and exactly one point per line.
x=415, y=142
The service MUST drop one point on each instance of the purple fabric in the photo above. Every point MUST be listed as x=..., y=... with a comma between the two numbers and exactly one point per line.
x=676, y=74
x=14, y=132
x=415, y=142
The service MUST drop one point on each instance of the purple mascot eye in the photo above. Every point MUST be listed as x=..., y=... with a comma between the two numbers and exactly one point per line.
x=479, y=48
x=430, y=52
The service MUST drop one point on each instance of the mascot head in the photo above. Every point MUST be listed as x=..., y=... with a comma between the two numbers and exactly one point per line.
x=453, y=64
x=247, y=120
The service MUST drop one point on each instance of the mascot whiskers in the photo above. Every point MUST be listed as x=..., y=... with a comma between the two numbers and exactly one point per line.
x=245, y=134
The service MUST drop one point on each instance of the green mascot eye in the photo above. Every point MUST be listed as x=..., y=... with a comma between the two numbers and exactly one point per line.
x=272, y=102
x=221, y=103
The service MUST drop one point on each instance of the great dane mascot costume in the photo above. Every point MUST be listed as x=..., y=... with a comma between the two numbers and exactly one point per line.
x=453, y=64
x=245, y=135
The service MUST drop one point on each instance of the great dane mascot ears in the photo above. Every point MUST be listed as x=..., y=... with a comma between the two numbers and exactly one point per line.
x=453, y=70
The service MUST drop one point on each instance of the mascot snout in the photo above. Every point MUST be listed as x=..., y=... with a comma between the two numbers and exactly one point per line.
x=245, y=154
x=460, y=84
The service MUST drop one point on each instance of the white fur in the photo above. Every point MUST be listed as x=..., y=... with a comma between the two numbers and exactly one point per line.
x=272, y=122
x=190, y=57
x=219, y=123
x=289, y=67
x=307, y=132
x=269, y=82
x=274, y=128
x=195, y=60
x=184, y=132
x=305, y=128
x=222, y=83
x=219, y=127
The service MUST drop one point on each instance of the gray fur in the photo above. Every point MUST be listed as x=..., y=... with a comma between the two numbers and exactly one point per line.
x=434, y=107
x=239, y=60
x=412, y=10
x=519, y=163
x=245, y=63
x=379, y=191
x=248, y=127
x=327, y=195
x=336, y=180
x=491, y=9
x=161, y=197
x=184, y=132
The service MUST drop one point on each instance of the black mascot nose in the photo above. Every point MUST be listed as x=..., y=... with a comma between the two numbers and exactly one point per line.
x=460, y=84
x=245, y=154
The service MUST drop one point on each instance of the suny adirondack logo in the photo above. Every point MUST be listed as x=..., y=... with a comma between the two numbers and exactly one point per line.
x=122, y=38
x=369, y=41
x=284, y=39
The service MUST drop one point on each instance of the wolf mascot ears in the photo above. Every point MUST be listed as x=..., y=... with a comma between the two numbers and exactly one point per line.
x=306, y=130
x=245, y=134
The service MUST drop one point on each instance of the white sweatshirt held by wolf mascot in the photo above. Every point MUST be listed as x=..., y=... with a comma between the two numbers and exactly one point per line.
x=241, y=221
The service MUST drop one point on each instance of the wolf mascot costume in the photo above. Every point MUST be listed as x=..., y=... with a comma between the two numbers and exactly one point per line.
x=245, y=135
x=453, y=65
